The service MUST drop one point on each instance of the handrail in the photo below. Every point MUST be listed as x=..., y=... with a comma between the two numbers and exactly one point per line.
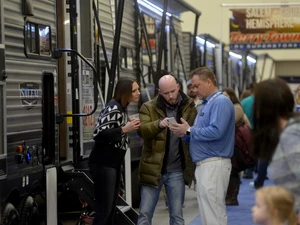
x=57, y=53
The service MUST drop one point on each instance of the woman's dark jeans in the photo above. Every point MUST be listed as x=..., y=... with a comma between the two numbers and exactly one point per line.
x=106, y=183
x=261, y=173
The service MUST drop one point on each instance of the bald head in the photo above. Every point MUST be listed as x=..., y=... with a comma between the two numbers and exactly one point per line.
x=168, y=89
x=166, y=79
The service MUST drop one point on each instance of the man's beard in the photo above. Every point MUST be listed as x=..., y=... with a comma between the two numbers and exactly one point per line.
x=193, y=95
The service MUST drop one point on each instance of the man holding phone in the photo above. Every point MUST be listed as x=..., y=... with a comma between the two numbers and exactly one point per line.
x=165, y=157
x=211, y=141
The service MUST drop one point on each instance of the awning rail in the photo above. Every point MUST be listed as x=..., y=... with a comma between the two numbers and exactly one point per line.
x=176, y=6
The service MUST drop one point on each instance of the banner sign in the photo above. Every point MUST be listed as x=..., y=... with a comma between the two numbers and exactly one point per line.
x=265, y=28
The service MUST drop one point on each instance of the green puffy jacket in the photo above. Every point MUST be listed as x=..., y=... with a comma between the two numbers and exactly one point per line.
x=155, y=140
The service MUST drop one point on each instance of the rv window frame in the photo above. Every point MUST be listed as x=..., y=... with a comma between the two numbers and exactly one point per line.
x=38, y=54
x=155, y=36
x=125, y=63
x=3, y=143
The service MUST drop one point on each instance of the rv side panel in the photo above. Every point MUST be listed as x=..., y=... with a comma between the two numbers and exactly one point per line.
x=24, y=77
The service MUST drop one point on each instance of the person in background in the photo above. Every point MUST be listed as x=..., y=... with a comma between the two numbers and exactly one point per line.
x=211, y=141
x=193, y=95
x=198, y=103
x=297, y=96
x=297, y=99
x=276, y=133
x=230, y=93
x=240, y=119
x=274, y=205
x=245, y=94
x=247, y=104
x=111, y=144
x=165, y=158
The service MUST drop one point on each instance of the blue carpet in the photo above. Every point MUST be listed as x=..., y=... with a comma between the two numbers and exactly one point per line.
x=241, y=214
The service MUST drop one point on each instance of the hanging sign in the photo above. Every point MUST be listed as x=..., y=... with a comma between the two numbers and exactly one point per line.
x=265, y=28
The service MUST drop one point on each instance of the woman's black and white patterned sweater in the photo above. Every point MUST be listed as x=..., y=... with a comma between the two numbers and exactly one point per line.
x=110, y=143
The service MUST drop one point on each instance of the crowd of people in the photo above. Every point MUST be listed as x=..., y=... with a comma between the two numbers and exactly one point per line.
x=190, y=138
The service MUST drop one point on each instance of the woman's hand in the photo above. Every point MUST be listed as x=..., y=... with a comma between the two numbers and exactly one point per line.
x=131, y=125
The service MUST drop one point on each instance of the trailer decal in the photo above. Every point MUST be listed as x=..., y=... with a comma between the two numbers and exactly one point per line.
x=30, y=93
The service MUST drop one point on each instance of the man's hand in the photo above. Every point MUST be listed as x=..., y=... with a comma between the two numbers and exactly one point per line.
x=179, y=129
x=163, y=123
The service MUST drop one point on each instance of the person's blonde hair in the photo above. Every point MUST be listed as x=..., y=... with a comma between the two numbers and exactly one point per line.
x=280, y=203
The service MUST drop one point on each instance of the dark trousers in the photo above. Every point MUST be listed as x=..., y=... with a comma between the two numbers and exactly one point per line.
x=249, y=172
x=261, y=173
x=106, y=183
x=233, y=188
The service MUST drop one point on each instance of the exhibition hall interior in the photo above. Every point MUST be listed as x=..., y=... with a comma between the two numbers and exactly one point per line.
x=107, y=106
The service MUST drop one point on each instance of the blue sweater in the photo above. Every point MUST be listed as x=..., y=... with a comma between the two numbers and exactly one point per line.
x=212, y=134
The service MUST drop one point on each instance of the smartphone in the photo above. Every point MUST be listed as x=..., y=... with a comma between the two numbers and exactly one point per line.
x=171, y=120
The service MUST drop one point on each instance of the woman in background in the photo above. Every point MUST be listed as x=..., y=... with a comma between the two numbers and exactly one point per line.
x=240, y=119
x=230, y=93
x=276, y=134
x=245, y=94
x=297, y=96
x=111, y=143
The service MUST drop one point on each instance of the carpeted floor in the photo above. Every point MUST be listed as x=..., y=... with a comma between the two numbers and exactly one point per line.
x=241, y=214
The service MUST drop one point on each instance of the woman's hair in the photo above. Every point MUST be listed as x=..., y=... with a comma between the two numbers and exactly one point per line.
x=245, y=94
x=204, y=73
x=232, y=95
x=123, y=90
x=280, y=203
x=273, y=100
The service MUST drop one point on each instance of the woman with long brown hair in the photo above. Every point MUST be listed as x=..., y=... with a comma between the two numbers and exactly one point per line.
x=111, y=144
x=297, y=96
x=276, y=133
x=230, y=93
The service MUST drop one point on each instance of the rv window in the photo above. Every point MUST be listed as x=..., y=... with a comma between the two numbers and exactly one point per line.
x=129, y=59
x=123, y=57
x=44, y=35
x=37, y=40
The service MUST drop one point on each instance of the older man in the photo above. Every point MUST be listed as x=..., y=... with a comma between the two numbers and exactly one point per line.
x=165, y=158
x=211, y=146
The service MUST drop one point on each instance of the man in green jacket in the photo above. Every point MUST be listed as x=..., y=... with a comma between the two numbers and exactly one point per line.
x=165, y=158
